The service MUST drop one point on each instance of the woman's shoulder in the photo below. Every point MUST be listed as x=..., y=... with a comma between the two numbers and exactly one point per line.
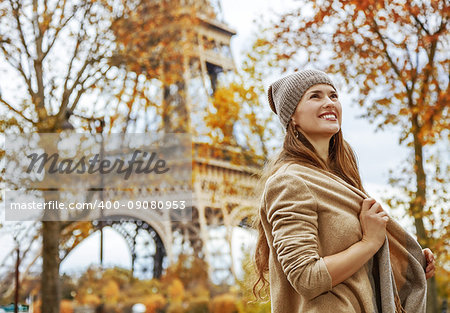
x=296, y=174
x=289, y=172
x=295, y=169
x=289, y=183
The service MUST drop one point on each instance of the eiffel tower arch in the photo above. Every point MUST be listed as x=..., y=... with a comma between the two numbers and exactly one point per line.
x=224, y=198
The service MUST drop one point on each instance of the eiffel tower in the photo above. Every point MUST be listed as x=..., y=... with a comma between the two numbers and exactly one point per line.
x=223, y=189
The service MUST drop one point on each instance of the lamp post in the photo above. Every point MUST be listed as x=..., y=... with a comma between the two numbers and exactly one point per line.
x=17, y=272
x=16, y=292
x=99, y=130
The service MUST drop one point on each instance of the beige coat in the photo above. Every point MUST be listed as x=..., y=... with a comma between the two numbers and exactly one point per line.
x=308, y=214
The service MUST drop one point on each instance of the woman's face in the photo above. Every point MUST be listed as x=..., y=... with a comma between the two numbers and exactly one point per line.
x=319, y=113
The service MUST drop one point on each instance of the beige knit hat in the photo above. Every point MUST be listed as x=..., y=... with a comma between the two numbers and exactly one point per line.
x=286, y=93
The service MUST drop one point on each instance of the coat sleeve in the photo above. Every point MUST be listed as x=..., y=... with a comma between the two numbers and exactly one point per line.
x=292, y=213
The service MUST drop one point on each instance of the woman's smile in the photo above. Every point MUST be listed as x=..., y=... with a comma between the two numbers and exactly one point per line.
x=328, y=116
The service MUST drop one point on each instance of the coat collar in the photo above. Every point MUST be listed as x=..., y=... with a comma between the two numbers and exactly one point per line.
x=336, y=178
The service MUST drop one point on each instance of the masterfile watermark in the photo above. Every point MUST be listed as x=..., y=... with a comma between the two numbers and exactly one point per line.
x=147, y=165
x=101, y=205
x=91, y=176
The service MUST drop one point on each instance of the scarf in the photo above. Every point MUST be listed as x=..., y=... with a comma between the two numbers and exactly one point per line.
x=398, y=275
x=400, y=265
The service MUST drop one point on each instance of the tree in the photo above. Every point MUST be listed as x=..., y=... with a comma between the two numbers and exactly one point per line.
x=58, y=51
x=61, y=53
x=394, y=53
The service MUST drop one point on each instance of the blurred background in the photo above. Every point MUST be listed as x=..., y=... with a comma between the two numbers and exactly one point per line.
x=203, y=68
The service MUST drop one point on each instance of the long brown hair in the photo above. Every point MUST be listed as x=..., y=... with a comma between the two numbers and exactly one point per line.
x=341, y=162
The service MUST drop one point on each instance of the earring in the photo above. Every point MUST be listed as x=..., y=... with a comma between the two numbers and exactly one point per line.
x=296, y=133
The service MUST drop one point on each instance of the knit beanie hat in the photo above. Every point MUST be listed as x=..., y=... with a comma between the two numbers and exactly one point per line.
x=286, y=93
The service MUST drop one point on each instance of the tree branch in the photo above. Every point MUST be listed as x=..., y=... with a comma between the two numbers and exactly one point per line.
x=39, y=100
x=68, y=91
x=72, y=59
x=15, y=9
x=439, y=107
x=427, y=74
x=85, y=88
x=18, y=66
x=422, y=26
x=388, y=56
x=15, y=110
x=60, y=26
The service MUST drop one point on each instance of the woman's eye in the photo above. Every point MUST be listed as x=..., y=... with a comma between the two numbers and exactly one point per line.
x=314, y=96
x=334, y=96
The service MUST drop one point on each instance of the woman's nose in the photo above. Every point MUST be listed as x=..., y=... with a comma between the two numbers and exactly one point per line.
x=328, y=103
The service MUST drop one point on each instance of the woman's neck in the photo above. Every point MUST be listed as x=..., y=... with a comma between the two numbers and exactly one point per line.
x=321, y=145
x=322, y=149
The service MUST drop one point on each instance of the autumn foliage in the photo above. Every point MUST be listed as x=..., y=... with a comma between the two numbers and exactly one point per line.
x=225, y=303
x=185, y=288
x=153, y=39
x=392, y=52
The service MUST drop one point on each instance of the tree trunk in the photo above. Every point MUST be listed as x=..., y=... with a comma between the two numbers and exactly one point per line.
x=432, y=297
x=50, y=287
x=417, y=210
x=418, y=203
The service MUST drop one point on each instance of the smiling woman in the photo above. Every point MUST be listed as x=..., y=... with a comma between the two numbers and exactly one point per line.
x=321, y=238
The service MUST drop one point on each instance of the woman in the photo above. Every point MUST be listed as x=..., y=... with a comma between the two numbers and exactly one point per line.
x=321, y=239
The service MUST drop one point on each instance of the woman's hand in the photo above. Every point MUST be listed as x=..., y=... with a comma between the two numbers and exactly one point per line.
x=344, y=264
x=429, y=270
x=373, y=223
